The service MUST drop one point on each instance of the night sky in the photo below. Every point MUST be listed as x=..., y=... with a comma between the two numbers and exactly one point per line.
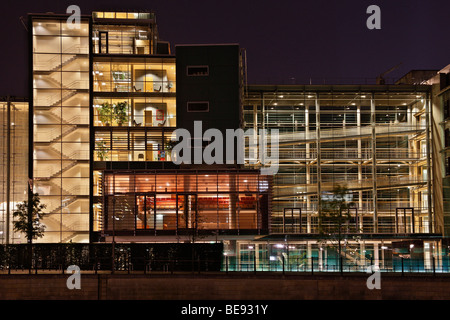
x=286, y=41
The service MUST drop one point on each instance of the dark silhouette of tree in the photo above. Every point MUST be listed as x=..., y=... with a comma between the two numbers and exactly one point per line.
x=335, y=214
x=35, y=229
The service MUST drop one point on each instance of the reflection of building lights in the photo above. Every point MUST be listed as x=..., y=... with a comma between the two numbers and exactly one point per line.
x=279, y=246
x=383, y=247
x=250, y=247
x=272, y=258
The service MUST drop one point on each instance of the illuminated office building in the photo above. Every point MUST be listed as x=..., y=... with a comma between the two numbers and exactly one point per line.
x=104, y=110
x=106, y=98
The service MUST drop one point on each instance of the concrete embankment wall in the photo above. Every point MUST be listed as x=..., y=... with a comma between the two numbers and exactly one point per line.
x=221, y=286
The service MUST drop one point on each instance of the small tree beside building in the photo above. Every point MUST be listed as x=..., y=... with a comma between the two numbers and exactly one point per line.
x=335, y=215
x=35, y=229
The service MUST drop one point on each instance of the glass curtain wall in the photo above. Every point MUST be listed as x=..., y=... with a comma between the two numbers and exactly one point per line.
x=14, y=166
x=177, y=201
x=142, y=75
x=374, y=144
x=130, y=33
x=61, y=127
x=303, y=256
x=134, y=108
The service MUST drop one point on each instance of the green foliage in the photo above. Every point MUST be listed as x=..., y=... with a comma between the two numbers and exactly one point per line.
x=335, y=211
x=120, y=112
x=21, y=216
x=109, y=112
x=334, y=215
x=102, y=151
x=105, y=113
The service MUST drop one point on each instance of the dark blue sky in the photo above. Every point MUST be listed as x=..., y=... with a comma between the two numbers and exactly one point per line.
x=284, y=39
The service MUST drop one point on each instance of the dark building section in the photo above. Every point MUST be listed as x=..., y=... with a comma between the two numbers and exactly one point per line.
x=209, y=88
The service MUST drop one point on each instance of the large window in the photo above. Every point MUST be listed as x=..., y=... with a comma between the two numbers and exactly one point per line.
x=179, y=201
x=135, y=112
x=143, y=75
x=124, y=39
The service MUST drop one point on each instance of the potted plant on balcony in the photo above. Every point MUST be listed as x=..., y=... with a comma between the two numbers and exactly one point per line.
x=102, y=151
x=120, y=112
x=105, y=113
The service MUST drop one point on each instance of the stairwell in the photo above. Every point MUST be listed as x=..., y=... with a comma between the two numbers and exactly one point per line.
x=56, y=127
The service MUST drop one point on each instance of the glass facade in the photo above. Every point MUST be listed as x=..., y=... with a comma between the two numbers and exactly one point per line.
x=130, y=33
x=60, y=71
x=176, y=202
x=134, y=108
x=376, y=144
x=312, y=256
x=134, y=111
x=138, y=75
x=13, y=164
x=104, y=110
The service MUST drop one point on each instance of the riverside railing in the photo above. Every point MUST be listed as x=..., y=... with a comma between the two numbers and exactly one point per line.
x=228, y=265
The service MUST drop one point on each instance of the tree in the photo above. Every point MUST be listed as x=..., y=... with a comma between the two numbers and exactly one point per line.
x=35, y=229
x=335, y=211
x=102, y=150
x=120, y=112
x=105, y=113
